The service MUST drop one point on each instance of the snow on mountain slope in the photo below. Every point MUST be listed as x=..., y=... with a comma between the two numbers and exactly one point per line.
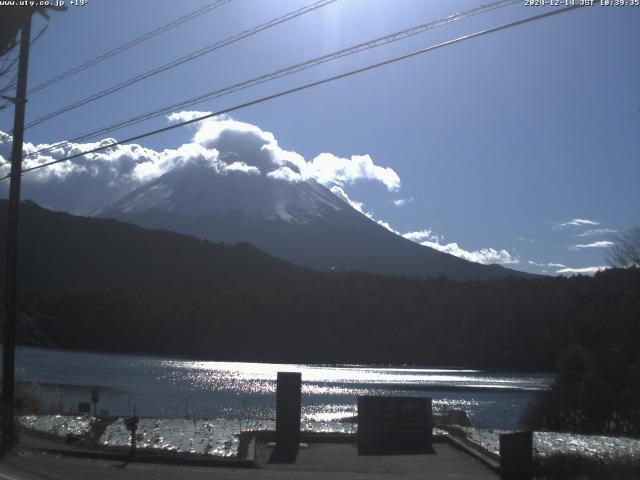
x=302, y=222
x=197, y=189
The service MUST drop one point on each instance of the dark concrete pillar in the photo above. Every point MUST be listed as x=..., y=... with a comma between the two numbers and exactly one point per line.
x=288, y=406
x=394, y=425
x=516, y=456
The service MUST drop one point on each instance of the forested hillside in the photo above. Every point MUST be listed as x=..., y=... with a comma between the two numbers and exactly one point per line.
x=104, y=285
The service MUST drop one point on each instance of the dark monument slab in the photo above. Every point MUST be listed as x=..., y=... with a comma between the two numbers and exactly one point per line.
x=516, y=455
x=288, y=405
x=394, y=425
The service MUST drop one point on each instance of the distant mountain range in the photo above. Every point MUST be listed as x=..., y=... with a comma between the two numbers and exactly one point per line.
x=301, y=222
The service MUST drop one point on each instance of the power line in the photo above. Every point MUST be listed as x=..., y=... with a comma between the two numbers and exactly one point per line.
x=186, y=58
x=12, y=83
x=218, y=45
x=121, y=48
x=8, y=86
x=380, y=41
x=8, y=64
x=12, y=62
x=311, y=85
x=126, y=46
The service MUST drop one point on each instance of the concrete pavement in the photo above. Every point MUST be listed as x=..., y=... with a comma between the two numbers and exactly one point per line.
x=318, y=461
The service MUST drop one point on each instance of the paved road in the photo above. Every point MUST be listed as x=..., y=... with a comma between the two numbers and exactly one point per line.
x=330, y=462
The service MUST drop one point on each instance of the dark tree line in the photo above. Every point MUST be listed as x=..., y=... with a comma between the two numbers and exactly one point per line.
x=105, y=285
x=503, y=324
x=597, y=390
x=109, y=286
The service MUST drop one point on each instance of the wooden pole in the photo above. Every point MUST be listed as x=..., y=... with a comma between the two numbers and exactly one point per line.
x=10, y=304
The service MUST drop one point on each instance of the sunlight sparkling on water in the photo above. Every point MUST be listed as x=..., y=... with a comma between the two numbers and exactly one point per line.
x=169, y=388
x=260, y=377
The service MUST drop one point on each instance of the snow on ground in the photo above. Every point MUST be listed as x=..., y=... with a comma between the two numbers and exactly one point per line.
x=59, y=425
x=217, y=437
x=206, y=437
x=546, y=444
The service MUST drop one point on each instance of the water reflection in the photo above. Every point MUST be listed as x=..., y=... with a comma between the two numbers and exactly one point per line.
x=163, y=388
x=260, y=377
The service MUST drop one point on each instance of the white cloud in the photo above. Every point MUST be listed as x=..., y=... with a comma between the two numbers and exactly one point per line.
x=427, y=238
x=328, y=169
x=421, y=236
x=561, y=269
x=581, y=270
x=384, y=224
x=242, y=167
x=401, y=202
x=546, y=265
x=95, y=180
x=359, y=206
x=342, y=195
x=285, y=173
x=579, y=222
x=600, y=244
x=596, y=231
x=260, y=148
x=484, y=255
x=188, y=115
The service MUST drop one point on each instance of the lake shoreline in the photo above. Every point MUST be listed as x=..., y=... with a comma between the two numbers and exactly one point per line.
x=186, y=357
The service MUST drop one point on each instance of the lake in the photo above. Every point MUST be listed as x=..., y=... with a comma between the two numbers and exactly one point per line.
x=245, y=392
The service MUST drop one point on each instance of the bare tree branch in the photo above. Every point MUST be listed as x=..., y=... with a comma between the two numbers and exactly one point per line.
x=625, y=252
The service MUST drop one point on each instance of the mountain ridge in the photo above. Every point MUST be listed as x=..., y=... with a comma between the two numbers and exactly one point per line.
x=132, y=257
x=300, y=222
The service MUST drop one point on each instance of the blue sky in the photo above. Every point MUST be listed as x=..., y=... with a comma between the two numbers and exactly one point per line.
x=501, y=142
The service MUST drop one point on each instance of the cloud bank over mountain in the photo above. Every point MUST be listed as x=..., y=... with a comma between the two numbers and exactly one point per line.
x=90, y=182
x=94, y=180
x=261, y=150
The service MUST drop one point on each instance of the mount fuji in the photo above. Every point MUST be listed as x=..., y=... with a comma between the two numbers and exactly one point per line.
x=302, y=222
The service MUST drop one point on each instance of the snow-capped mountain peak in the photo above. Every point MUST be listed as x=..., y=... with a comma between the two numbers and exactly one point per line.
x=198, y=189
x=297, y=220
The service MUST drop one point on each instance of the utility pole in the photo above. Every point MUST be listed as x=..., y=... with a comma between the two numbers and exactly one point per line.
x=10, y=305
